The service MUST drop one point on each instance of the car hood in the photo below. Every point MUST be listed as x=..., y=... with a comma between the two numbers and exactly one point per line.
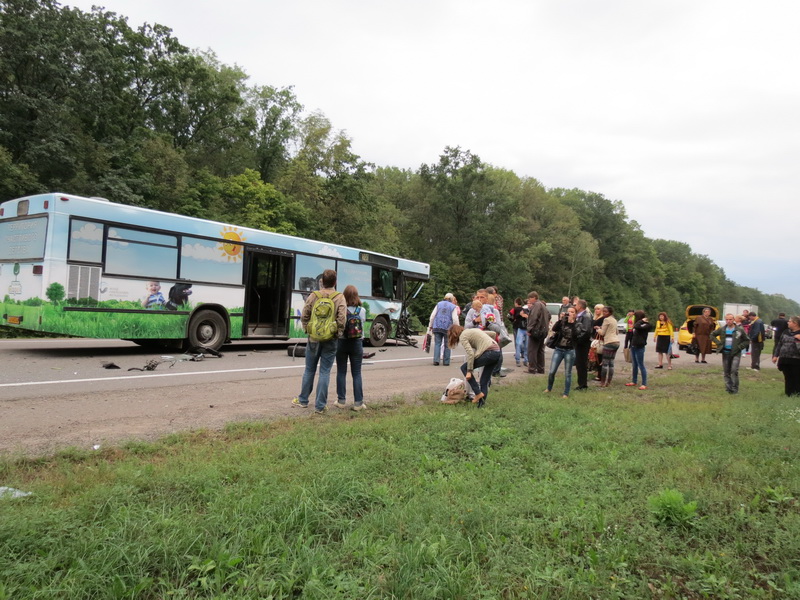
x=695, y=310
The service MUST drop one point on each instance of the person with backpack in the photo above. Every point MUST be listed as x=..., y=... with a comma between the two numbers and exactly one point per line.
x=351, y=346
x=444, y=314
x=323, y=319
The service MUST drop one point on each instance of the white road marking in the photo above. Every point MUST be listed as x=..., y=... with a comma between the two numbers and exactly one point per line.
x=263, y=369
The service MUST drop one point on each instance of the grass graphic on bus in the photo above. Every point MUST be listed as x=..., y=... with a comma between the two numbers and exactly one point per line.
x=112, y=321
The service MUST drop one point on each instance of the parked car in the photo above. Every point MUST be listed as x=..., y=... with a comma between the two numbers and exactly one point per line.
x=553, y=308
x=685, y=332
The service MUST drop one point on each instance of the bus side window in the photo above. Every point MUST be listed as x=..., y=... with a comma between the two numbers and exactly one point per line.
x=383, y=284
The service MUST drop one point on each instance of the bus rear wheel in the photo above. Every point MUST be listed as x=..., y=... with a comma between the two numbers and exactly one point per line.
x=207, y=329
x=378, y=332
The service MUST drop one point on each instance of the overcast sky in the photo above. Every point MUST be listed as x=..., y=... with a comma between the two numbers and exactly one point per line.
x=687, y=111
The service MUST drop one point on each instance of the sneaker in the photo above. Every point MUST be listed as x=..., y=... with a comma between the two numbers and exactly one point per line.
x=524, y=363
x=339, y=405
x=358, y=407
x=321, y=411
x=435, y=364
x=500, y=374
x=296, y=402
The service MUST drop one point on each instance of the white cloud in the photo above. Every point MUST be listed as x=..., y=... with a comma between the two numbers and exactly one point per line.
x=328, y=251
x=90, y=232
x=203, y=252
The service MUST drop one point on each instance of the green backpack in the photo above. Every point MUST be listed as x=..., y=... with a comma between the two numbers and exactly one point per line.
x=322, y=326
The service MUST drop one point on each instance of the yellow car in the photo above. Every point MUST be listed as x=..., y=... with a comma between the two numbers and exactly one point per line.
x=685, y=332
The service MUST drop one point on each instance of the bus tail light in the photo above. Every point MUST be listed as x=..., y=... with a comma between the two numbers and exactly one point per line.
x=46, y=204
x=38, y=269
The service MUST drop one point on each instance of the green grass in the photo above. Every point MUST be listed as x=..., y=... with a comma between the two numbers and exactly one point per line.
x=678, y=492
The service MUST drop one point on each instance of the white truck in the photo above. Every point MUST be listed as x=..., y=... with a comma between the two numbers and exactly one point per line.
x=738, y=309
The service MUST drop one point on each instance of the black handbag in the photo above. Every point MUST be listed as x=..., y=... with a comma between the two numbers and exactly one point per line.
x=551, y=341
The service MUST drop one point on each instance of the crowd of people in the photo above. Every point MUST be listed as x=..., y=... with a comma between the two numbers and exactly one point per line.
x=587, y=341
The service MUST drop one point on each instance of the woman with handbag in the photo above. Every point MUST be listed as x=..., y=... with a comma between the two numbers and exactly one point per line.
x=562, y=341
x=608, y=333
x=596, y=348
x=444, y=314
x=664, y=333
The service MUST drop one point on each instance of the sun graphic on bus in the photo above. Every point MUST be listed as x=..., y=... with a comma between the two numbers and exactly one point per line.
x=232, y=251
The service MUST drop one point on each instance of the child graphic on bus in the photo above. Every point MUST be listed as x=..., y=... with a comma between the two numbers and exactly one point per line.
x=155, y=299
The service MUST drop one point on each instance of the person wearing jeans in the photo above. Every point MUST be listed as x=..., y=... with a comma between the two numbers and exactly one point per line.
x=731, y=339
x=352, y=349
x=641, y=328
x=564, y=350
x=320, y=353
x=444, y=314
x=481, y=351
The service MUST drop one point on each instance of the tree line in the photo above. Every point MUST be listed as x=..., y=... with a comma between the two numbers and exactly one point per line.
x=93, y=106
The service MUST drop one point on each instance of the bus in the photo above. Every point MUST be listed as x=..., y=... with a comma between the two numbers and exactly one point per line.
x=93, y=268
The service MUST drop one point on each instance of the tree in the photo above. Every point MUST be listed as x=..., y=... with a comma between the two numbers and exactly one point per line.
x=276, y=114
x=55, y=292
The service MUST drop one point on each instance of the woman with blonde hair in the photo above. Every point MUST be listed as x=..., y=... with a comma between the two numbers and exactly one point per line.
x=608, y=333
x=482, y=350
x=596, y=357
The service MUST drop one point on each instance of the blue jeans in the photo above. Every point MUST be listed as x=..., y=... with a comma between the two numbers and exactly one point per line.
x=487, y=360
x=322, y=353
x=439, y=340
x=521, y=345
x=352, y=349
x=568, y=356
x=637, y=358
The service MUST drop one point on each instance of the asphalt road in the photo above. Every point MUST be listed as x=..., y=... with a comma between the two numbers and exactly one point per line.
x=57, y=392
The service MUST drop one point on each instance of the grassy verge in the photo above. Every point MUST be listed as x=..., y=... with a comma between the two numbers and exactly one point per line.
x=678, y=492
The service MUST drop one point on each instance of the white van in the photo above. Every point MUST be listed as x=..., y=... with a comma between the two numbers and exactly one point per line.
x=553, y=308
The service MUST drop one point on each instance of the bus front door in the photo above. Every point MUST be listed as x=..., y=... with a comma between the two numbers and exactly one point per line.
x=268, y=292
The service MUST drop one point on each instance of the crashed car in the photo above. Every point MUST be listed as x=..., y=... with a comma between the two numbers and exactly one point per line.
x=685, y=332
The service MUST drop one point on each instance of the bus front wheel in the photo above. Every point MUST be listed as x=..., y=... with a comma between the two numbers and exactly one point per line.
x=207, y=329
x=378, y=332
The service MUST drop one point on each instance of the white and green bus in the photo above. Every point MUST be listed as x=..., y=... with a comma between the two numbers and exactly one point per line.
x=92, y=268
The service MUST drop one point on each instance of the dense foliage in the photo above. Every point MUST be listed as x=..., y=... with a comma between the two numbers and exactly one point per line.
x=90, y=105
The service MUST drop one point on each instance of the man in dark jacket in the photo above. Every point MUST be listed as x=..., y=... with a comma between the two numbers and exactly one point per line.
x=756, y=334
x=731, y=339
x=583, y=340
x=538, y=326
